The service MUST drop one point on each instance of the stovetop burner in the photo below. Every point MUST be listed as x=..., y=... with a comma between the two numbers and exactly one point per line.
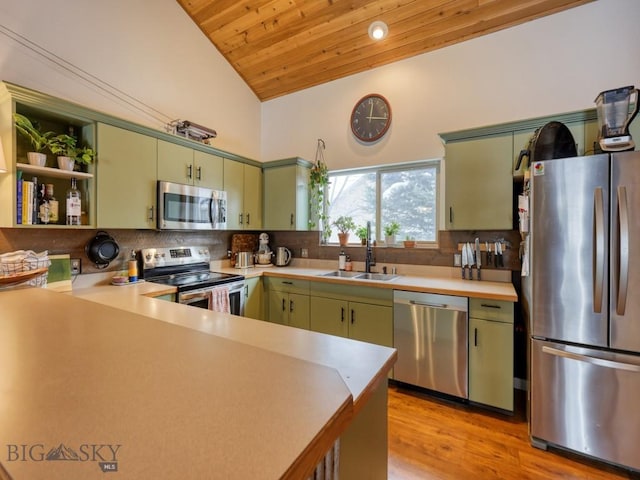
x=196, y=279
x=186, y=268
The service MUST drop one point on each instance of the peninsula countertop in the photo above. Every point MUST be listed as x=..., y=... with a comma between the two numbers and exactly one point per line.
x=226, y=397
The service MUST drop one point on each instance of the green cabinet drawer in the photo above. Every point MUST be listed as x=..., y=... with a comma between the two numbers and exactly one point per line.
x=372, y=295
x=495, y=310
x=287, y=285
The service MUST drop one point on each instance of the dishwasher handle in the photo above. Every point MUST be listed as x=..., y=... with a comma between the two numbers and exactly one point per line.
x=428, y=304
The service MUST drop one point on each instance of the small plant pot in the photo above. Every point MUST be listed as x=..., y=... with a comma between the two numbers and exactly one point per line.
x=66, y=163
x=343, y=238
x=409, y=243
x=37, y=158
x=390, y=240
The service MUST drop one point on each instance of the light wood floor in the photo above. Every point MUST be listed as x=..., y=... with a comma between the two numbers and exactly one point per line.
x=430, y=439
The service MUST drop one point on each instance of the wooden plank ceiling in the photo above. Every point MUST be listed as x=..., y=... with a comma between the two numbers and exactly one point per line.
x=283, y=46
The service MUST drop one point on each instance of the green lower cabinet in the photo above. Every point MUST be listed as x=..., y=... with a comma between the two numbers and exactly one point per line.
x=491, y=363
x=290, y=309
x=356, y=320
x=254, y=298
x=329, y=315
x=168, y=297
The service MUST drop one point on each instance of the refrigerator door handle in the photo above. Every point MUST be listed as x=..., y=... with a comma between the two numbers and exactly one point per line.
x=623, y=250
x=598, y=251
x=592, y=360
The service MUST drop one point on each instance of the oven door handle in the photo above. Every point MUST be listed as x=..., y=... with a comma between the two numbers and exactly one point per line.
x=185, y=297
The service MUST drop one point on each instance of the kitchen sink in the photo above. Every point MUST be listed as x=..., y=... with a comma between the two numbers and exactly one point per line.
x=385, y=277
x=341, y=274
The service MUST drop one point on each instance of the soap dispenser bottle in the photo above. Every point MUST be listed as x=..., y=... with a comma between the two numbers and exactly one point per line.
x=342, y=260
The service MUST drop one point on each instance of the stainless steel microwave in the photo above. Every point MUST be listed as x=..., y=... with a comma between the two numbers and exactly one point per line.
x=185, y=207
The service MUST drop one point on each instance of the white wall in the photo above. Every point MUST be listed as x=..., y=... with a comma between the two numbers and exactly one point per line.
x=552, y=65
x=149, y=49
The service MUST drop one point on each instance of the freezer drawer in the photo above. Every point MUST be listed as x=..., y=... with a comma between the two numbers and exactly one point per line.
x=586, y=400
x=430, y=334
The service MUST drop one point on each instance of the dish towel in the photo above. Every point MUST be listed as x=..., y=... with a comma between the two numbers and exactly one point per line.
x=220, y=300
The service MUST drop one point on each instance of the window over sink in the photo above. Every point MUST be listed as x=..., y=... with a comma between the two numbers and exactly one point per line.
x=405, y=193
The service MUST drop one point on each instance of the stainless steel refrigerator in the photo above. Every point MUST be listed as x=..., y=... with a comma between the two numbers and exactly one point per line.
x=582, y=298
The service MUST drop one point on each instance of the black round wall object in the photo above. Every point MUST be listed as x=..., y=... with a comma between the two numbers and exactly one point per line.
x=553, y=140
x=102, y=249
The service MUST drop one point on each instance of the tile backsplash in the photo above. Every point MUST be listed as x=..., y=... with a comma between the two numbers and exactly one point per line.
x=73, y=241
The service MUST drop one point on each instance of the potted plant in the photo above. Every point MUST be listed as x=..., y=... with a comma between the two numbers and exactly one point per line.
x=65, y=146
x=318, y=203
x=344, y=225
x=361, y=233
x=409, y=242
x=390, y=232
x=39, y=141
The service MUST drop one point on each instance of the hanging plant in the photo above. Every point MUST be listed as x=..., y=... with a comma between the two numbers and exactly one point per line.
x=318, y=183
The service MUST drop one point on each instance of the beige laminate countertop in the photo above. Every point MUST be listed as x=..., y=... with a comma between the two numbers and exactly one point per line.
x=227, y=397
x=427, y=284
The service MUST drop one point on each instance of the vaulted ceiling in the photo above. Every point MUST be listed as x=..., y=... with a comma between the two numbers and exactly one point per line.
x=282, y=46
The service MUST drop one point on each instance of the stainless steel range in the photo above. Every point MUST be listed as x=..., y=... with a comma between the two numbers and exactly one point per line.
x=187, y=269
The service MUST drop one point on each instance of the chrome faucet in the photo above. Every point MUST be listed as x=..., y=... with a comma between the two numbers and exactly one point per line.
x=369, y=260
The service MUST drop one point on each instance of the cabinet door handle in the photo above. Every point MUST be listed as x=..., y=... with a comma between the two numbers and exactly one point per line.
x=450, y=214
x=342, y=314
x=488, y=305
x=248, y=218
x=283, y=306
x=475, y=337
x=189, y=172
x=151, y=214
x=246, y=291
x=291, y=220
x=199, y=173
x=240, y=218
x=287, y=283
x=291, y=305
x=353, y=316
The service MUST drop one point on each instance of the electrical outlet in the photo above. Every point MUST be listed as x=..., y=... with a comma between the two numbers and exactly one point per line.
x=76, y=266
x=304, y=253
x=457, y=259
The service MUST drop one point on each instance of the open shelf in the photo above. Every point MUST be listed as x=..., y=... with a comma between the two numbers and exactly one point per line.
x=52, y=172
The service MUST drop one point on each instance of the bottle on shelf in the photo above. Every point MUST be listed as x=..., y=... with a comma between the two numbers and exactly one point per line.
x=74, y=204
x=53, y=203
x=342, y=260
x=44, y=215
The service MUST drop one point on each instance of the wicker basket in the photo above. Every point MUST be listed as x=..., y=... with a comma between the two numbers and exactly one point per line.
x=31, y=270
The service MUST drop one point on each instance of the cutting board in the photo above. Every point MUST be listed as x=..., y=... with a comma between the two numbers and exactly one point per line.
x=242, y=242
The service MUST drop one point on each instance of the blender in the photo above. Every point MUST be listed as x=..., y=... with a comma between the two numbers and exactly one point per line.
x=616, y=109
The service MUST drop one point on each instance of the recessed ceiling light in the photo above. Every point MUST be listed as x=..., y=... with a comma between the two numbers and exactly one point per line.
x=378, y=30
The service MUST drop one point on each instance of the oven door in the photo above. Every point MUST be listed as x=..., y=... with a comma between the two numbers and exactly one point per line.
x=204, y=298
x=197, y=298
x=184, y=207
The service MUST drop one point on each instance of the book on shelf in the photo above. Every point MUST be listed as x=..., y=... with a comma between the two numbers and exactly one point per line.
x=19, y=202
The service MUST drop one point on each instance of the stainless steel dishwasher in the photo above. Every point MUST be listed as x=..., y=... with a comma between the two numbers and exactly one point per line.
x=431, y=336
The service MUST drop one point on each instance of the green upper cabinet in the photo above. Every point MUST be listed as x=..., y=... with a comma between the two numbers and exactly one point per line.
x=180, y=164
x=286, y=195
x=479, y=183
x=243, y=184
x=126, y=179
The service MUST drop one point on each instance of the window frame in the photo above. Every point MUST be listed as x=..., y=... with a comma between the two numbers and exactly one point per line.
x=379, y=171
